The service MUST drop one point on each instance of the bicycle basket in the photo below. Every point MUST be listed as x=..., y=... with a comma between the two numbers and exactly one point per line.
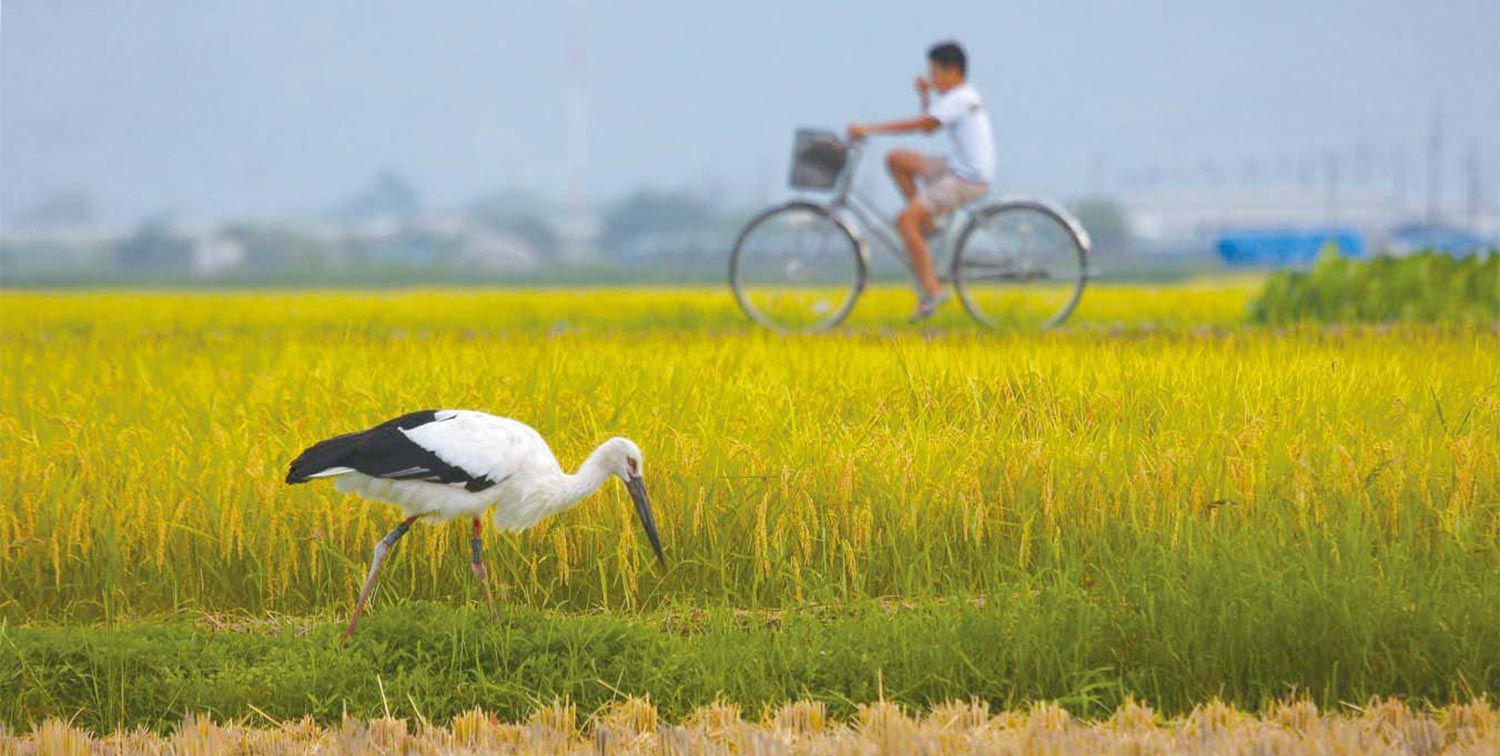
x=818, y=158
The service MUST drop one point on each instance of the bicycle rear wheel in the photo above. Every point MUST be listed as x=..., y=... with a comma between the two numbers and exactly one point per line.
x=797, y=268
x=1021, y=265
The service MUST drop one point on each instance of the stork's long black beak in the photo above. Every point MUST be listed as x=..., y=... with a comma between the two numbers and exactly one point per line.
x=637, y=488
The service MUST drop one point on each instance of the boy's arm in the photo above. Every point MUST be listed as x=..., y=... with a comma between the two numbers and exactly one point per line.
x=921, y=123
x=924, y=123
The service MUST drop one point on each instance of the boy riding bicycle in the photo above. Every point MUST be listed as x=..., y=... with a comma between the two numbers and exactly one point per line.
x=946, y=183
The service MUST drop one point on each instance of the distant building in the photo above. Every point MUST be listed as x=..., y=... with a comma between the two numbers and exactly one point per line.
x=579, y=231
x=1174, y=219
x=215, y=256
x=1416, y=237
x=492, y=252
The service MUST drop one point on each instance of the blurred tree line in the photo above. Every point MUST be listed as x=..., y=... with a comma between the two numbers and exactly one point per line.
x=384, y=232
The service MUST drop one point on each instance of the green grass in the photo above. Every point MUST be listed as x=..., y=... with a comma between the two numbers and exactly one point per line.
x=1249, y=644
x=1424, y=287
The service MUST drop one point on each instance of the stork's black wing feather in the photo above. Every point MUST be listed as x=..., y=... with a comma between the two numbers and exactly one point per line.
x=385, y=452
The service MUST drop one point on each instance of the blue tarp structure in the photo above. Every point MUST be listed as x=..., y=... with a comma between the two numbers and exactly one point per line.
x=1286, y=246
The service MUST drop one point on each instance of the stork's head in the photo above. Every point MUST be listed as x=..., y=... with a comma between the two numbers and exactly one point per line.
x=623, y=459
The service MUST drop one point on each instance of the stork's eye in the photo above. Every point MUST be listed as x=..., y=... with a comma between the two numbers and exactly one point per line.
x=632, y=464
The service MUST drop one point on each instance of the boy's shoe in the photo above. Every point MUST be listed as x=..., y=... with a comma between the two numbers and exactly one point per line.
x=928, y=304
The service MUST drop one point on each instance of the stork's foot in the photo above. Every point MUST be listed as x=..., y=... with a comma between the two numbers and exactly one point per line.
x=382, y=547
x=483, y=576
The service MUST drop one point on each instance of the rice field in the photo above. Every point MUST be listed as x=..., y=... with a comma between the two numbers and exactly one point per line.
x=1187, y=501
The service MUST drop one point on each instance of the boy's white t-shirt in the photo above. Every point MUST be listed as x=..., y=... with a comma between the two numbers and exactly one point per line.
x=961, y=112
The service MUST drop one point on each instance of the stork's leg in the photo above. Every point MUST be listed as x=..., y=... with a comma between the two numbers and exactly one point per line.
x=480, y=572
x=381, y=548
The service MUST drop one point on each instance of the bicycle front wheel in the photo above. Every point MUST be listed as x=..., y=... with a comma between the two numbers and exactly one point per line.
x=797, y=268
x=1021, y=265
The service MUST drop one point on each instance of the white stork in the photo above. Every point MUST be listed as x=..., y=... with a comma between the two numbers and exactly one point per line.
x=440, y=464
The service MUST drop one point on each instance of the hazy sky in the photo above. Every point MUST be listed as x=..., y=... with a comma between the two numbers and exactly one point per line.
x=216, y=109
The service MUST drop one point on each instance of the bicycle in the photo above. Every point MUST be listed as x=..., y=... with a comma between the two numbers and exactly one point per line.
x=800, y=267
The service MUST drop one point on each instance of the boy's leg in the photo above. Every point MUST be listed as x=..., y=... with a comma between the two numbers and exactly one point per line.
x=910, y=222
x=905, y=166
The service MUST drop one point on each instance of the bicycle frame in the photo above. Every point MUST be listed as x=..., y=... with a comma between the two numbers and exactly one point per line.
x=861, y=215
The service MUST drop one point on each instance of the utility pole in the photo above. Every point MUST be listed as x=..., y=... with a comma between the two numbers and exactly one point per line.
x=1399, y=194
x=1435, y=164
x=1474, y=184
x=1331, y=177
x=1307, y=171
x=1362, y=160
x=578, y=227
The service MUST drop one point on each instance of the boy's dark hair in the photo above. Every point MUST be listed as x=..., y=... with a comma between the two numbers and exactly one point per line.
x=949, y=55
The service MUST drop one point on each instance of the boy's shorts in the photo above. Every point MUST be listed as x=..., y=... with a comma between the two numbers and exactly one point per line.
x=942, y=190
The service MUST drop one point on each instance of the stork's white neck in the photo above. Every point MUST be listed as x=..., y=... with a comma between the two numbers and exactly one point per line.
x=573, y=488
